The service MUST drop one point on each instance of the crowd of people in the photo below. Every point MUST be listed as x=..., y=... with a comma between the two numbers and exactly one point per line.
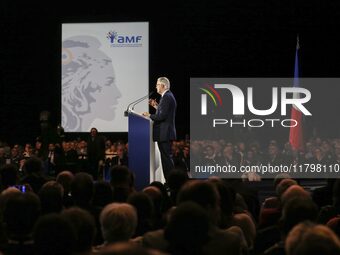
x=317, y=150
x=52, y=203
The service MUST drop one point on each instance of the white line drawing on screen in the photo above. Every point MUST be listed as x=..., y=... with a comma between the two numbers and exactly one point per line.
x=89, y=90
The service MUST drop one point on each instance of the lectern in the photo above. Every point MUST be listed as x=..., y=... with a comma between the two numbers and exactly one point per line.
x=141, y=151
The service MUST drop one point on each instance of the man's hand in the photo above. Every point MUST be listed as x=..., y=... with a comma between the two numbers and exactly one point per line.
x=146, y=114
x=153, y=103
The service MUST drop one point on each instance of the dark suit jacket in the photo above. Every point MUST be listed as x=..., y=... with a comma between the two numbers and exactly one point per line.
x=96, y=148
x=164, y=119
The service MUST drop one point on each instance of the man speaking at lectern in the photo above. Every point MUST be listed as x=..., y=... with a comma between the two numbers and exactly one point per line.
x=164, y=131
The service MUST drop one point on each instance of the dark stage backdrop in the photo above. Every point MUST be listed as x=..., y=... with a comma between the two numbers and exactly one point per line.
x=187, y=39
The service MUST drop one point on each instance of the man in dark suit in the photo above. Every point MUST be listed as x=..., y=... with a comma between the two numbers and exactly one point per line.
x=95, y=152
x=164, y=131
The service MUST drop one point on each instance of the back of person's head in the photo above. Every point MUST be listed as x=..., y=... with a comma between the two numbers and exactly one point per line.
x=226, y=195
x=127, y=248
x=118, y=222
x=187, y=229
x=51, y=197
x=103, y=194
x=204, y=194
x=82, y=189
x=284, y=185
x=160, y=186
x=53, y=235
x=121, y=177
x=84, y=227
x=122, y=183
x=20, y=214
x=293, y=192
x=176, y=179
x=159, y=200
x=65, y=178
x=201, y=192
x=33, y=165
x=4, y=197
x=334, y=224
x=142, y=203
x=154, y=193
x=309, y=239
x=8, y=176
x=280, y=177
x=145, y=212
x=297, y=210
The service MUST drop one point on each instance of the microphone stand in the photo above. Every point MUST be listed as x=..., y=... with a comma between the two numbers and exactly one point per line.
x=134, y=103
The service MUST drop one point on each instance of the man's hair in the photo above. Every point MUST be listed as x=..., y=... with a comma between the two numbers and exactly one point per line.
x=118, y=222
x=165, y=81
x=20, y=214
x=120, y=176
x=82, y=189
x=284, y=185
x=83, y=225
x=94, y=129
x=297, y=210
x=54, y=235
x=201, y=192
x=310, y=239
x=33, y=165
x=187, y=229
x=51, y=197
x=65, y=178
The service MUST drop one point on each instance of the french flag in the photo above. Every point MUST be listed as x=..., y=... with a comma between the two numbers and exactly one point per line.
x=296, y=133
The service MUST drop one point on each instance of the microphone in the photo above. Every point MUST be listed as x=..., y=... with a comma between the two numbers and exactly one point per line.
x=142, y=99
x=134, y=103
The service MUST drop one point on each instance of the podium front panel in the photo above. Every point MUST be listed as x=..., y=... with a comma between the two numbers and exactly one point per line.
x=139, y=149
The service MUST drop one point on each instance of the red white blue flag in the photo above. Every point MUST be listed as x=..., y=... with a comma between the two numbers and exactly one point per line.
x=296, y=133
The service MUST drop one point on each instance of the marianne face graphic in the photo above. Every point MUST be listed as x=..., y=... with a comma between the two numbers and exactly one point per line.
x=89, y=91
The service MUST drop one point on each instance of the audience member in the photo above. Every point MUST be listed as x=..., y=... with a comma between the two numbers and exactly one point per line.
x=65, y=178
x=20, y=214
x=118, y=223
x=145, y=212
x=84, y=227
x=51, y=197
x=309, y=239
x=34, y=174
x=188, y=229
x=54, y=235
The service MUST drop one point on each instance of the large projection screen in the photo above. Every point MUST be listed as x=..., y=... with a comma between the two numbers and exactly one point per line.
x=105, y=66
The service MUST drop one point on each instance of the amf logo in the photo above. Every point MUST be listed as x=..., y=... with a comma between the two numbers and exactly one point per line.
x=118, y=40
